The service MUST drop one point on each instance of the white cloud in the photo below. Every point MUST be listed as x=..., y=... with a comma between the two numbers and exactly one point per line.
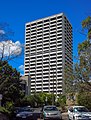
x=2, y=32
x=21, y=67
x=9, y=48
x=17, y=43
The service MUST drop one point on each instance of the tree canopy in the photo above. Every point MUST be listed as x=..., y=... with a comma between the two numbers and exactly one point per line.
x=10, y=86
x=81, y=76
x=9, y=49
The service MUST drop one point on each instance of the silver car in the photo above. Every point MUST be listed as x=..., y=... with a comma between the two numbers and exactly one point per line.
x=79, y=113
x=51, y=112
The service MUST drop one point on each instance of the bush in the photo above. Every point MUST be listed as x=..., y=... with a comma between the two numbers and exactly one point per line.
x=84, y=99
x=8, y=109
x=62, y=102
x=4, y=112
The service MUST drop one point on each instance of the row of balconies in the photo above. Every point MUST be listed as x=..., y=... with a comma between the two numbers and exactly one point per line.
x=46, y=83
x=45, y=23
x=44, y=66
x=44, y=32
x=56, y=91
x=47, y=40
x=42, y=58
x=43, y=29
x=46, y=86
x=41, y=38
x=53, y=57
x=44, y=48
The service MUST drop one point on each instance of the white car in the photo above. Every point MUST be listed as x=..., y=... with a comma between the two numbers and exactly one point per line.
x=51, y=112
x=79, y=113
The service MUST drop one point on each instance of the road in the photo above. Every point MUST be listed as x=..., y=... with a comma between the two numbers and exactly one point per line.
x=64, y=116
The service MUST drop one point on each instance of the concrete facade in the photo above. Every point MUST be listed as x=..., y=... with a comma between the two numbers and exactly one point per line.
x=26, y=84
x=49, y=49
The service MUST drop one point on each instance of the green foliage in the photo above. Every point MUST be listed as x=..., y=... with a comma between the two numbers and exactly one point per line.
x=9, y=83
x=62, y=100
x=83, y=68
x=68, y=81
x=9, y=106
x=84, y=99
x=86, y=22
x=50, y=98
x=83, y=46
x=33, y=100
x=38, y=99
x=89, y=34
x=4, y=110
x=79, y=79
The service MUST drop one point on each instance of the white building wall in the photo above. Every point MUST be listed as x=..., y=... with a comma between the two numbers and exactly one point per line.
x=47, y=41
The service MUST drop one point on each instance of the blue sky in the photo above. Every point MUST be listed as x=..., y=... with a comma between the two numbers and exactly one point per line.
x=17, y=12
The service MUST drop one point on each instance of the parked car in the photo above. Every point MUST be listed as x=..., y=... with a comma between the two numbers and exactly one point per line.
x=24, y=113
x=51, y=112
x=79, y=113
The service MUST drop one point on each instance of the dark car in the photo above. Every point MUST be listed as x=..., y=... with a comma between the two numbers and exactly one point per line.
x=24, y=113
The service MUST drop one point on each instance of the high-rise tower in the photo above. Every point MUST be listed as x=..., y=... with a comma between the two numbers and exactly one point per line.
x=49, y=49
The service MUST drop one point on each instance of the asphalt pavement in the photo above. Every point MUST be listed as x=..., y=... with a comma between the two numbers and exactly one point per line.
x=64, y=116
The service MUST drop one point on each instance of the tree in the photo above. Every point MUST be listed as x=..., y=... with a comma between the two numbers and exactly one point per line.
x=10, y=86
x=8, y=48
x=62, y=100
x=84, y=99
x=80, y=79
x=84, y=53
x=69, y=78
x=9, y=83
x=37, y=99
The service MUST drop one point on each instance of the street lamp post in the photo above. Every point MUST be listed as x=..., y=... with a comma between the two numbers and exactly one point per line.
x=53, y=88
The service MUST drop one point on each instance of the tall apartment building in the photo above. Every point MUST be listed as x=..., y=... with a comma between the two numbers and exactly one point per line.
x=48, y=51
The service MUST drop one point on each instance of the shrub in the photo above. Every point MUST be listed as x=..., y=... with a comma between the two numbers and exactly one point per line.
x=62, y=102
x=5, y=112
x=84, y=99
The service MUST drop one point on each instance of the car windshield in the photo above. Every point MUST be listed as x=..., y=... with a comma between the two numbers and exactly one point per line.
x=81, y=109
x=25, y=109
x=50, y=109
